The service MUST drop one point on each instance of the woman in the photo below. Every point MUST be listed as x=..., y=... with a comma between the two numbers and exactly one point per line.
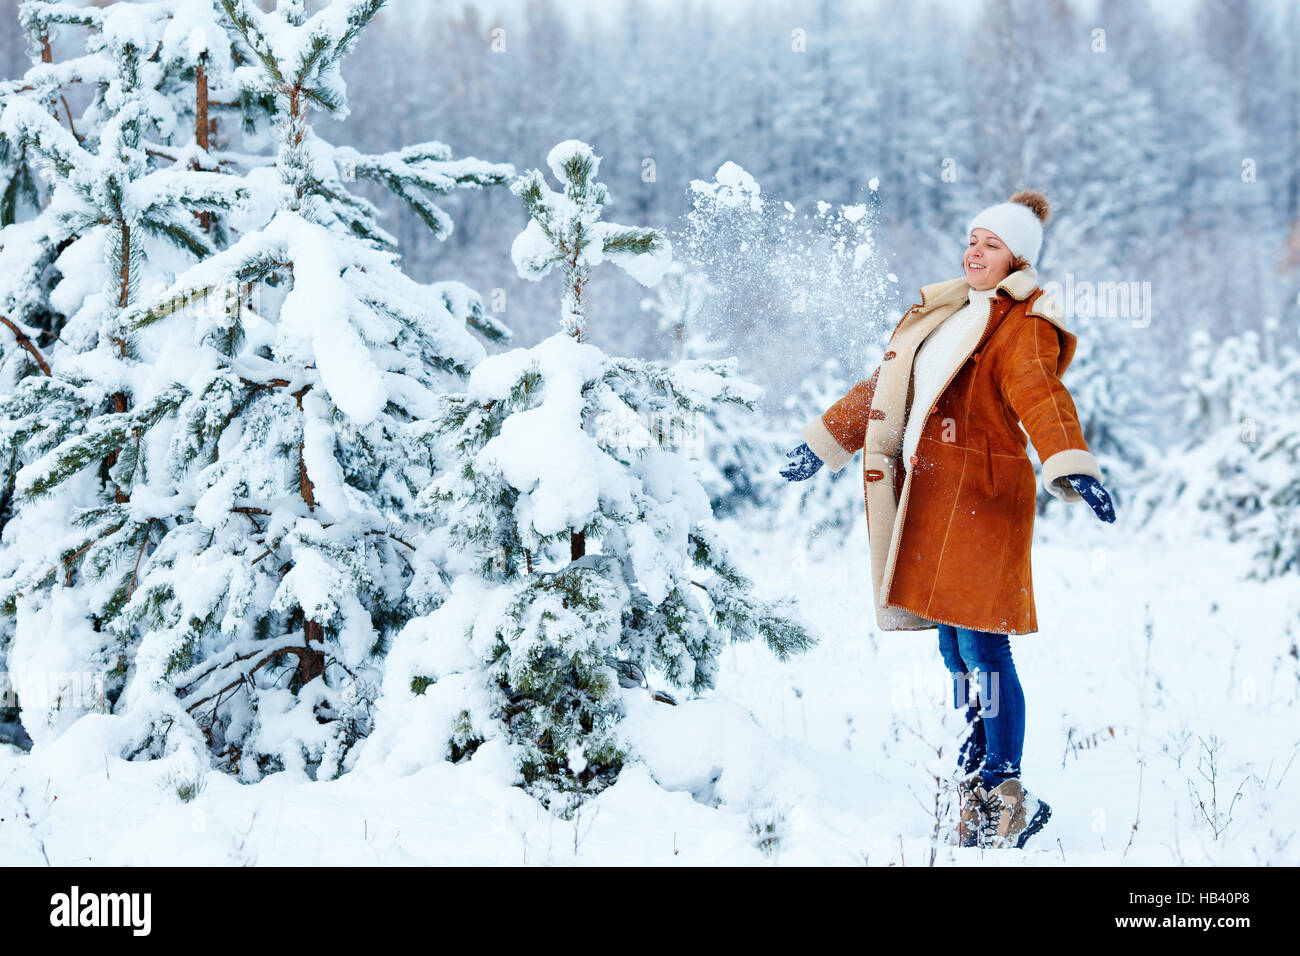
x=950, y=489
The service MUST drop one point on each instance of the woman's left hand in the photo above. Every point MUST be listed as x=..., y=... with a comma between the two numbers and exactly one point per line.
x=804, y=465
x=1093, y=493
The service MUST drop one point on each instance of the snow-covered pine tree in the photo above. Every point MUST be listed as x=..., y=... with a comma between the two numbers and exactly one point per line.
x=1276, y=532
x=590, y=559
x=267, y=465
x=730, y=444
x=148, y=72
x=22, y=194
x=116, y=220
x=314, y=173
x=1236, y=475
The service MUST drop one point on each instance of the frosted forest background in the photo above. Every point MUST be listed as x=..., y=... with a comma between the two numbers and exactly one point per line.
x=1141, y=146
x=587, y=621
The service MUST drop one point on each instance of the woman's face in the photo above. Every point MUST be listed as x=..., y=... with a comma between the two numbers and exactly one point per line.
x=987, y=260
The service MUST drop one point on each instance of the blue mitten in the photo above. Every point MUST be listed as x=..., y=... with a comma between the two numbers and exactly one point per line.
x=1093, y=493
x=804, y=465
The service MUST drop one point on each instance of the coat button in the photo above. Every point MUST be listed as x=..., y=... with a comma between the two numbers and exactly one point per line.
x=912, y=459
x=976, y=356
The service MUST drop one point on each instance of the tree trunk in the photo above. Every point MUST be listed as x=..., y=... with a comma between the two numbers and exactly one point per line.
x=311, y=664
x=201, y=127
x=119, y=406
x=308, y=494
x=123, y=300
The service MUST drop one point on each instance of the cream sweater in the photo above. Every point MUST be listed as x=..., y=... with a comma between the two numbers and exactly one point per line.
x=933, y=356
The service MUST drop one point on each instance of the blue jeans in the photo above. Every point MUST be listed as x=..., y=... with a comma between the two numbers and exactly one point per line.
x=982, y=660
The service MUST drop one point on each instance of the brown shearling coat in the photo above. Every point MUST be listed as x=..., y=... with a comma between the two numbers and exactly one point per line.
x=950, y=531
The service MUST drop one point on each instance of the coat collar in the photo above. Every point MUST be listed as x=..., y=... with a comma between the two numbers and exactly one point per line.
x=1019, y=285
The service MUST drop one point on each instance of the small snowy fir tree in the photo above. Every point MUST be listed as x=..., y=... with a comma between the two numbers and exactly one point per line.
x=590, y=558
x=252, y=558
x=730, y=444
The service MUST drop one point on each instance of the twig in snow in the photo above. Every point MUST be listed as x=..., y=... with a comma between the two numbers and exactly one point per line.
x=1218, y=821
x=32, y=826
x=1137, y=817
x=1288, y=765
x=577, y=840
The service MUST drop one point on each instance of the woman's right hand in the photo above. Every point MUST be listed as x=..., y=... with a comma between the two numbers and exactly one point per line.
x=804, y=464
x=1091, y=491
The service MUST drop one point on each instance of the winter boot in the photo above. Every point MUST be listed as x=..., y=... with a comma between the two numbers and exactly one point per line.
x=1011, y=815
x=972, y=811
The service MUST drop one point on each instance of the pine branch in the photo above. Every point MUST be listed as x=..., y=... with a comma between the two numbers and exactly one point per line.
x=27, y=344
x=292, y=644
x=102, y=436
x=631, y=239
x=317, y=49
x=247, y=20
x=180, y=234
x=253, y=267
x=362, y=12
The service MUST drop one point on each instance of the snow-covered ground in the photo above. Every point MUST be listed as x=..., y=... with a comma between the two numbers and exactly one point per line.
x=826, y=759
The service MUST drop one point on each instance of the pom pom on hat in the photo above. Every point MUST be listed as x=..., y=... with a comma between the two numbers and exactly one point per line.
x=1018, y=222
x=1035, y=201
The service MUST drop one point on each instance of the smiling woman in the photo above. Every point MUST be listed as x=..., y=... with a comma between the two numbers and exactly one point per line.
x=980, y=355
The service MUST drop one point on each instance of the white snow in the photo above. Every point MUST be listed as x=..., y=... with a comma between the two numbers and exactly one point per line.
x=732, y=186
x=571, y=149
x=646, y=267
x=322, y=310
x=561, y=473
x=532, y=253
x=826, y=745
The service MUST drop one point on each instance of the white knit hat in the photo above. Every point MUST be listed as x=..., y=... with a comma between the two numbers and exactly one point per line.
x=1018, y=222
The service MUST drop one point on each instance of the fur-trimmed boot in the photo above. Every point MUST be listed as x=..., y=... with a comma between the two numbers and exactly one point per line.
x=1010, y=815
